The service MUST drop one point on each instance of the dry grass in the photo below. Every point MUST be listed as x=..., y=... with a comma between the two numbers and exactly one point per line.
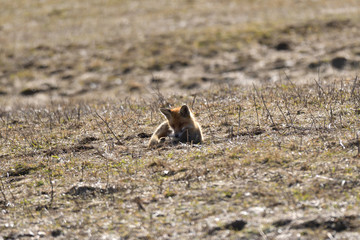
x=64, y=169
x=80, y=88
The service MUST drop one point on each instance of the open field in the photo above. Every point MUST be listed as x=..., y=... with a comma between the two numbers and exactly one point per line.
x=273, y=83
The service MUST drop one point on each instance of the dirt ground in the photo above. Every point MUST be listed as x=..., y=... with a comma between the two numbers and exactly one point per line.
x=273, y=83
x=129, y=48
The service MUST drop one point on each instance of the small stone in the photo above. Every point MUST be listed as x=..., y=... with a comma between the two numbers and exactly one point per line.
x=56, y=233
x=236, y=225
x=283, y=46
x=338, y=62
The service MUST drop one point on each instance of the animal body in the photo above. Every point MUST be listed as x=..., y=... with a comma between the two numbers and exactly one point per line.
x=181, y=125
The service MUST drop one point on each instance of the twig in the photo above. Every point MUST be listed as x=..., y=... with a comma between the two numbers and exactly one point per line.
x=354, y=86
x=50, y=122
x=139, y=203
x=107, y=125
x=320, y=88
x=79, y=113
x=51, y=184
x=332, y=118
x=277, y=104
x=262, y=99
x=314, y=120
x=239, y=113
x=358, y=143
x=293, y=85
x=193, y=102
x=102, y=132
x=257, y=114
x=288, y=109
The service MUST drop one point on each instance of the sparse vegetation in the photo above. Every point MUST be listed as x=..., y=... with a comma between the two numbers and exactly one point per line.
x=304, y=160
x=277, y=96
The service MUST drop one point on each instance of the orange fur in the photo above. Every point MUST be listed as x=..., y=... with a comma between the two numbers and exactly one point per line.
x=181, y=125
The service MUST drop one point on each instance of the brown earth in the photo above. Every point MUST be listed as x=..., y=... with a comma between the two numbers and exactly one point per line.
x=273, y=84
x=127, y=48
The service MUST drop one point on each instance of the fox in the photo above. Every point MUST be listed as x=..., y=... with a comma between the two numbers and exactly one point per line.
x=180, y=125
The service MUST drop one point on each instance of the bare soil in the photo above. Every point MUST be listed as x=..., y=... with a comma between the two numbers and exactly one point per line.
x=273, y=83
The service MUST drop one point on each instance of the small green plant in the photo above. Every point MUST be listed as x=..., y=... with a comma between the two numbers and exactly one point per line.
x=39, y=183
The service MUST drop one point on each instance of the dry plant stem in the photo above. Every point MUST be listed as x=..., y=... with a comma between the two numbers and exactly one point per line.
x=257, y=114
x=101, y=130
x=50, y=122
x=239, y=113
x=50, y=176
x=78, y=113
x=100, y=153
x=282, y=113
x=332, y=118
x=353, y=88
x=107, y=125
x=107, y=169
x=266, y=108
x=161, y=101
x=313, y=120
x=288, y=109
x=125, y=123
x=193, y=102
x=294, y=86
x=320, y=89
x=358, y=143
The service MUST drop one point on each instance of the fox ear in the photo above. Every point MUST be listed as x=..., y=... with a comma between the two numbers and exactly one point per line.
x=185, y=111
x=166, y=112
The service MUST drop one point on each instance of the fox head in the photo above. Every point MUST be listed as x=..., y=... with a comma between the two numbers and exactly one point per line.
x=178, y=118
